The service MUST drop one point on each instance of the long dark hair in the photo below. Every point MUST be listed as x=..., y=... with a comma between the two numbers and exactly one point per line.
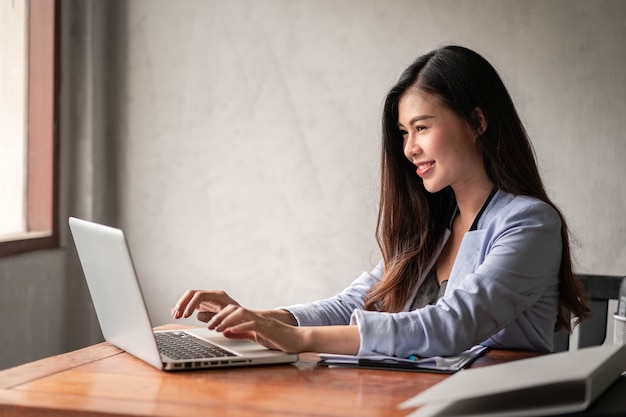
x=412, y=221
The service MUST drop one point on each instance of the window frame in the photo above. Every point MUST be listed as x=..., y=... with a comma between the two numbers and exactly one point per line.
x=42, y=187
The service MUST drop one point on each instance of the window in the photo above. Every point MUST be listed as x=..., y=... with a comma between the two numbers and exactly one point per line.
x=29, y=33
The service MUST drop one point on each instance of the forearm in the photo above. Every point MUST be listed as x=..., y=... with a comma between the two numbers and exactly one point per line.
x=331, y=339
x=283, y=316
x=272, y=328
x=337, y=310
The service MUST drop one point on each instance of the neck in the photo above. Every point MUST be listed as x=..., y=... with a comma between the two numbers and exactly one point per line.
x=471, y=199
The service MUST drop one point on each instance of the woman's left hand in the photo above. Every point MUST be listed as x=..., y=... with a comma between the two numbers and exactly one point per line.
x=236, y=322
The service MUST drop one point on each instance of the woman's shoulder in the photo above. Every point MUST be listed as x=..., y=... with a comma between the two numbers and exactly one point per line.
x=506, y=207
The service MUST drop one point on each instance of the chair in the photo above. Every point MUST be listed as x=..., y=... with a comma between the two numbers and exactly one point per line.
x=601, y=290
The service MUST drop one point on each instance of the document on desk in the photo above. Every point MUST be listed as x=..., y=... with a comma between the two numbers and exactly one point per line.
x=550, y=384
x=441, y=364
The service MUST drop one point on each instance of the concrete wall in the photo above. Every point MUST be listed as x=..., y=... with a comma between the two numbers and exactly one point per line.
x=249, y=131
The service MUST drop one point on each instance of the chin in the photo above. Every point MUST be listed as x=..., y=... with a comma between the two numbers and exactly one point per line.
x=432, y=188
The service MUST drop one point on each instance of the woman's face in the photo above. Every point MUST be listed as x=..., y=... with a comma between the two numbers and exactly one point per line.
x=440, y=144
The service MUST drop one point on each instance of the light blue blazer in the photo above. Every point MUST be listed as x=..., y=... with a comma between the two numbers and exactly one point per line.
x=502, y=291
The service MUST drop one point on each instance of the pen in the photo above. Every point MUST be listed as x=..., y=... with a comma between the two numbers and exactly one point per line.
x=413, y=358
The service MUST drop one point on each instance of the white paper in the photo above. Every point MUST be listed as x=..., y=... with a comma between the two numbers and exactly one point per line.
x=436, y=363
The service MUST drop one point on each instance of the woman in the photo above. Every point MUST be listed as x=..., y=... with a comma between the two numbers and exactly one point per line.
x=474, y=251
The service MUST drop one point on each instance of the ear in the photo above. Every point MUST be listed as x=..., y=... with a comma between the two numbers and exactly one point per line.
x=479, y=122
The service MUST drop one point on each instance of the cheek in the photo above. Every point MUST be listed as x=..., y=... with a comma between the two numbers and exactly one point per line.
x=462, y=144
x=454, y=152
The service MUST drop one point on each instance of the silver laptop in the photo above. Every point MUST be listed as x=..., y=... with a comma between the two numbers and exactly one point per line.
x=121, y=310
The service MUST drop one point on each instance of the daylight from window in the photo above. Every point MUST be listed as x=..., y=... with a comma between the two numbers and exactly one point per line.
x=13, y=110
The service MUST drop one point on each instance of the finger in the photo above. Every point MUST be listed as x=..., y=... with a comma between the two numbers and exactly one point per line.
x=227, y=317
x=243, y=330
x=193, y=303
x=204, y=316
x=224, y=318
x=251, y=330
x=248, y=330
x=177, y=311
x=208, y=301
x=240, y=334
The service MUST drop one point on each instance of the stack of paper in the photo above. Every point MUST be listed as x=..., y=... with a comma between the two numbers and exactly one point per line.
x=551, y=384
x=443, y=364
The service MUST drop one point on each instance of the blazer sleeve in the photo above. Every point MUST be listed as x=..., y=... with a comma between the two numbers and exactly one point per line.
x=338, y=309
x=502, y=291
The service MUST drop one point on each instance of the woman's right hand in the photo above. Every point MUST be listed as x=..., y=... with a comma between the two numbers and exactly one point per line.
x=208, y=303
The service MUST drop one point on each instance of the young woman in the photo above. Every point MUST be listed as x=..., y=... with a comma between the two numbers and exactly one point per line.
x=474, y=251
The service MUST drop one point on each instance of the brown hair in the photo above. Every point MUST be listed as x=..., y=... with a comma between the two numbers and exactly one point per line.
x=412, y=221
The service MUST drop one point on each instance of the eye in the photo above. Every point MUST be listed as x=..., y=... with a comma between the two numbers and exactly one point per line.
x=403, y=133
x=420, y=128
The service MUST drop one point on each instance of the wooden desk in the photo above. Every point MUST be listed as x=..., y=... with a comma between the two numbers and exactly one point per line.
x=102, y=380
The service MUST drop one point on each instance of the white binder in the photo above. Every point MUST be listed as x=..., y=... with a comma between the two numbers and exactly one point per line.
x=550, y=384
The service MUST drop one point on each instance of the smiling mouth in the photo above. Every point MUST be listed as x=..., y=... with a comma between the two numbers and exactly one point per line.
x=424, y=167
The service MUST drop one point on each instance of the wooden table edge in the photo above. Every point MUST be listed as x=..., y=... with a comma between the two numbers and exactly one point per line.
x=21, y=374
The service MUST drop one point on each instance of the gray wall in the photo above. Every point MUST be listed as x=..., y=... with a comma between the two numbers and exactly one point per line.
x=237, y=142
x=31, y=307
x=249, y=133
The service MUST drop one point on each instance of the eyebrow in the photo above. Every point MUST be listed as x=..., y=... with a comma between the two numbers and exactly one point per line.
x=417, y=119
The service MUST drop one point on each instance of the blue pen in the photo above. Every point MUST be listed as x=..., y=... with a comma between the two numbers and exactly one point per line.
x=413, y=358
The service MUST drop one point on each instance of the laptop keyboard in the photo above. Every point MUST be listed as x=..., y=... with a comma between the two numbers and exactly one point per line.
x=181, y=346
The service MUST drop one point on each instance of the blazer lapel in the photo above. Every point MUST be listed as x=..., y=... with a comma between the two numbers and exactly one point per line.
x=468, y=257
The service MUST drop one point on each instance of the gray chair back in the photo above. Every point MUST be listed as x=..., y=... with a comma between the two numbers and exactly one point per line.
x=593, y=331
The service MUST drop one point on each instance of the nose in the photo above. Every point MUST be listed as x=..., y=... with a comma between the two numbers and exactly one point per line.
x=411, y=146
